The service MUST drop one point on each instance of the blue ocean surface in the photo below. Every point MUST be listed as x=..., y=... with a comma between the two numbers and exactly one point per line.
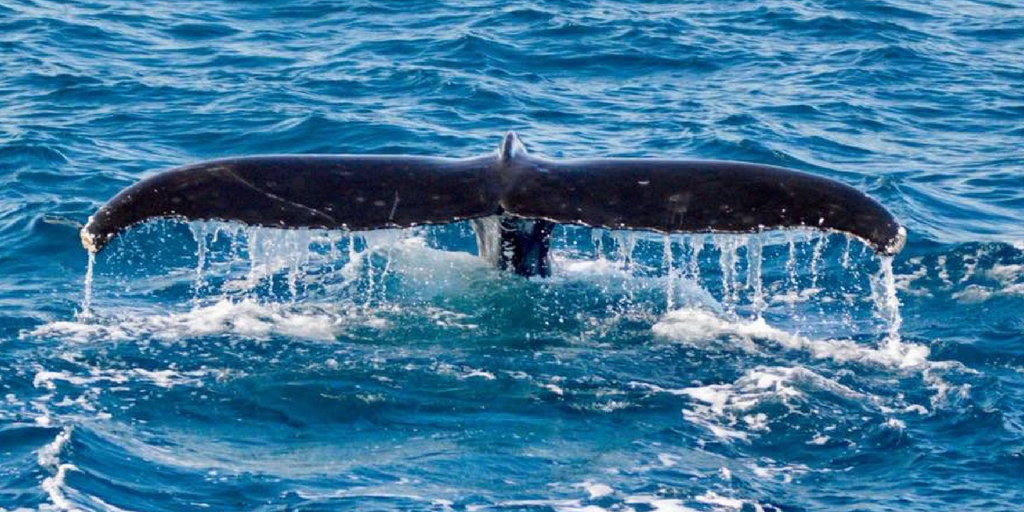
x=220, y=367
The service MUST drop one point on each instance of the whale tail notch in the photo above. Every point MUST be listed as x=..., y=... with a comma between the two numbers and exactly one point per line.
x=363, y=192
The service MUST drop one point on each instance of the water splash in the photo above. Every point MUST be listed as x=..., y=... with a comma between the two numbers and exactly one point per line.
x=728, y=259
x=754, y=256
x=361, y=268
x=597, y=239
x=791, y=261
x=845, y=260
x=271, y=251
x=693, y=267
x=86, y=311
x=816, y=253
x=890, y=303
x=49, y=460
x=670, y=274
x=625, y=243
x=198, y=230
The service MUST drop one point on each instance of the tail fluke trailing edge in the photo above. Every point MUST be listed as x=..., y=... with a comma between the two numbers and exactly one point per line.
x=362, y=192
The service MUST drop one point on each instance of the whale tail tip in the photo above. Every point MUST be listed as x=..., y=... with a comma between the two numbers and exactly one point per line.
x=511, y=147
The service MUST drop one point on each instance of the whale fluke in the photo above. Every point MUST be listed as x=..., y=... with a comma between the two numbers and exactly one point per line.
x=698, y=196
x=353, y=192
x=363, y=192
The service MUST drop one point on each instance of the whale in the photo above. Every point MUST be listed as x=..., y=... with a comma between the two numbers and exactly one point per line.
x=513, y=198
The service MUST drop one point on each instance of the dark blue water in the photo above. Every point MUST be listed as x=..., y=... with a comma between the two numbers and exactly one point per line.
x=220, y=368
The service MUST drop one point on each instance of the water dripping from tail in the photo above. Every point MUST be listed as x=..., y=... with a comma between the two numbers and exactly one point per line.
x=728, y=259
x=845, y=261
x=816, y=254
x=198, y=230
x=625, y=245
x=794, y=290
x=670, y=274
x=693, y=267
x=754, y=264
x=373, y=271
x=889, y=303
x=86, y=311
x=727, y=267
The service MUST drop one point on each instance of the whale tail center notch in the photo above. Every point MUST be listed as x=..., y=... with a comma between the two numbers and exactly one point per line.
x=363, y=192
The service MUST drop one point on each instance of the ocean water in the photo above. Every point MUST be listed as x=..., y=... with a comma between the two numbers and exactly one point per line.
x=219, y=367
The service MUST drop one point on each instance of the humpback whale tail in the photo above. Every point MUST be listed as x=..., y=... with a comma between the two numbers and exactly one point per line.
x=531, y=193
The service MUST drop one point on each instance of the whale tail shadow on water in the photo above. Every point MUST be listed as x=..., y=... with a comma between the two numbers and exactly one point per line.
x=525, y=194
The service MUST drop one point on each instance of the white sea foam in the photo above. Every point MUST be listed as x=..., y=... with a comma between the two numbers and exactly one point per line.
x=668, y=460
x=723, y=408
x=49, y=459
x=905, y=282
x=596, y=490
x=730, y=411
x=708, y=501
x=781, y=473
x=658, y=503
x=45, y=379
x=697, y=326
x=1006, y=273
x=49, y=455
x=1006, y=280
x=713, y=498
x=945, y=391
x=87, y=286
x=245, y=317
